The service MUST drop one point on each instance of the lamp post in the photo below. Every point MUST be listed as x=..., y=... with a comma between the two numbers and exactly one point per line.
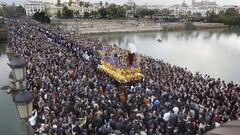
x=24, y=104
x=18, y=66
x=24, y=99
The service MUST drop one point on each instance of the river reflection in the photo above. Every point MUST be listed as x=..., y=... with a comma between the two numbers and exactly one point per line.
x=213, y=52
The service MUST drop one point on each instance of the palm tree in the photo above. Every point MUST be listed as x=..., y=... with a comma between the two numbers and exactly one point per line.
x=87, y=4
x=106, y=4
x=70, y=2
x=101, y=3
x=81, y=3
x=58, y=2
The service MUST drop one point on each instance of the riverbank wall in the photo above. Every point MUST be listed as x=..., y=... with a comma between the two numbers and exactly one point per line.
x=126, y=26
x=182, y=26
x=122, y=30
x=160, y=27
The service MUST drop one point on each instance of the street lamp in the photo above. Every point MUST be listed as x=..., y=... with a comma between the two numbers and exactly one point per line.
x=18, y=65
x=23, y=101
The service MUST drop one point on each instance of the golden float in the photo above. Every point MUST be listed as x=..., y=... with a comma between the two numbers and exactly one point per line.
x=122, y=74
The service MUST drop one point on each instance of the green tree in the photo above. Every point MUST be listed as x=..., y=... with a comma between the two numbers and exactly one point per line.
x=41, y=17
x=143, y=12
x=59, y=14
x=94, y=14
x=127, y=7
x=101, y=3
x=212, y=16
x=81, y=3
x=86, y=15
x=106, y=4
x=221, y=13
x=12, y=11
x=116, y=11
x=20, y=11
x=231, y=12
x=70, y=3
x=103, y=12
x=9, y=10
x=77, y=13
x=67, y=13
x=189, y=13
x=87, y=4
x=112, y=10
x=1, y=12
x=58, y=2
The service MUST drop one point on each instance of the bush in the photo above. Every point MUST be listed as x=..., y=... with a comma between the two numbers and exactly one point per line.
x=41, y=17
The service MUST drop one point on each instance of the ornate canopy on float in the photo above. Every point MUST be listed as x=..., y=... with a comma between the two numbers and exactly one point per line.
x=122, y=72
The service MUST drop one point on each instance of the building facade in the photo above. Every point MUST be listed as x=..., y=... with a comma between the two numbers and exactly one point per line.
x=75, y=6
x=203, y=3
x=183, y=9
x=32, y=7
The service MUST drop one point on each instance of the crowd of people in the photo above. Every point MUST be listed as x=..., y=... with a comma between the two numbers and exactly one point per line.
x=72, y=97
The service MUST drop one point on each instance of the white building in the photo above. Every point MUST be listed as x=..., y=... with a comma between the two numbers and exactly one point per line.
x=132, y=8
x=203, y=3
x=32, y=7
x=82, y=9
x=197, y=7
x=184, y=9
x=130, y=3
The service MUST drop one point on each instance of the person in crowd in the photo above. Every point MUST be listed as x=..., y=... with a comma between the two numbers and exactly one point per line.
x=33, y=118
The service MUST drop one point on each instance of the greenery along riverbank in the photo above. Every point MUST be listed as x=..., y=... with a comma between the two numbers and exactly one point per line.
x=230, y=17
x=190, y=25
x=3, y=34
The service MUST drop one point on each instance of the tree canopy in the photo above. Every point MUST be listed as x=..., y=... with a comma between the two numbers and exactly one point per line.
x=230, y=17
x=67, y=13
x=86, y=15
x=103, y=12
x=20, y=11
x=12, y=11
x=143, y=12
x=58, y=2
x=59, y=14
x=113, y=11
x=41, y=17
x=231, y=12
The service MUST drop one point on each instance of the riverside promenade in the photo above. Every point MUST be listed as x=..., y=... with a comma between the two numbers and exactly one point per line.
x=121, y=26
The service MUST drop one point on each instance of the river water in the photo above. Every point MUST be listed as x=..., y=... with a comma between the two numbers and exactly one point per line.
x=212, y=52
x=10, y=124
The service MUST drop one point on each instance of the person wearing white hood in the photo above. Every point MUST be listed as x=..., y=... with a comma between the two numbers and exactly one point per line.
x=33, y=119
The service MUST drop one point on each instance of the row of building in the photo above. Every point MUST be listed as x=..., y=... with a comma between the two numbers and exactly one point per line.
x=180, y=9
x=200, y=7
x=52, y=8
